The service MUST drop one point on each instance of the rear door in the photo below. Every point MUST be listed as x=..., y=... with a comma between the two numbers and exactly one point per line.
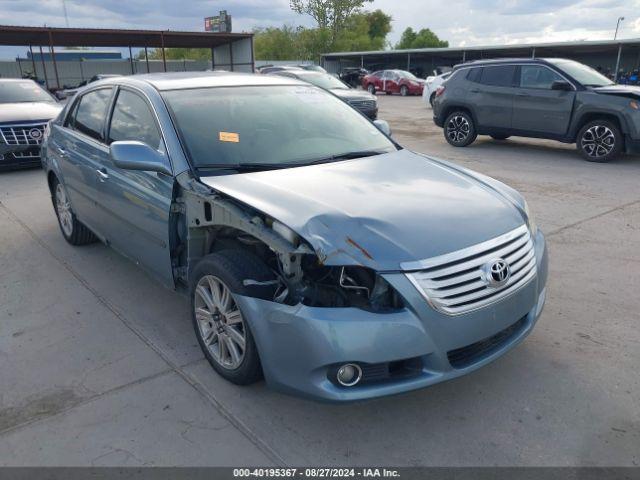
x=536, y=107
x=491, y=94
x=136, y=204
x=80, y=148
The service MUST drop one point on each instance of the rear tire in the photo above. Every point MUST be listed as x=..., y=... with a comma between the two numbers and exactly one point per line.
x=459, y=129
x=499, y=137
x=72, y=229
x=600, y=141
x=222, y=330
x=404, y=91
x=371, y=88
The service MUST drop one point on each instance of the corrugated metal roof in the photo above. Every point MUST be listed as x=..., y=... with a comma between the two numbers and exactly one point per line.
x=509, y=47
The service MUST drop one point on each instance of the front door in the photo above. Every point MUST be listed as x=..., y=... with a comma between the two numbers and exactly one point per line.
x=536, y=107
x=492, y=95
x=136, y=204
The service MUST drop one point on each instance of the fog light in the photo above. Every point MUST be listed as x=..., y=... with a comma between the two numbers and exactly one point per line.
x=349, y=374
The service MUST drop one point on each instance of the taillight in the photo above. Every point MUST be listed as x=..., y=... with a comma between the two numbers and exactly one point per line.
x=439, y=90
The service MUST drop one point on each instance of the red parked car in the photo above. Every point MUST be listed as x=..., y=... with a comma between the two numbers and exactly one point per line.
x=393, y=81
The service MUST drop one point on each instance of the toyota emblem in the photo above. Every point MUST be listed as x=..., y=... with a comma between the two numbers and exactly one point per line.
x=35, y=133
x=497, y=272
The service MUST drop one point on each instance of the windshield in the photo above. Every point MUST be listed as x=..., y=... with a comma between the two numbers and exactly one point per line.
x=276, y=125
x=323, y=81
x=408, y=75
x=587, y=76
x=19, y=92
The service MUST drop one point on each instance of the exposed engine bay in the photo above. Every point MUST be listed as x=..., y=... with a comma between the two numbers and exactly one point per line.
x=205, y=222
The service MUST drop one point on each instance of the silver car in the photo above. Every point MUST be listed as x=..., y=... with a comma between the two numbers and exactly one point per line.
x=25, y=110
x=315, y=250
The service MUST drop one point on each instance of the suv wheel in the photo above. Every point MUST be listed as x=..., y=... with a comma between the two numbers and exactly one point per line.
x=459, y=129
x=599, y=141
x=222, y=330
x=371, y=88
x=72, y=230
x=404, y=91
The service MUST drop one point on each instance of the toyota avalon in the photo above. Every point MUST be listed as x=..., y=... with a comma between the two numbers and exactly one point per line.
x=316, y=251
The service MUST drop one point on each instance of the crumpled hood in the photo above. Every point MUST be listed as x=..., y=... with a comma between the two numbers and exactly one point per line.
x=28, y=111
x=626, y=90
x=377, y=211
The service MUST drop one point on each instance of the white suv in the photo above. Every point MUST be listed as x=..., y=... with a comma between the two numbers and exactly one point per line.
x=430, y=87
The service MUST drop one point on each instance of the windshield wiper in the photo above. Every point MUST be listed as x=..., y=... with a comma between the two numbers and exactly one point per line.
x=345, y=156
x=243, y=167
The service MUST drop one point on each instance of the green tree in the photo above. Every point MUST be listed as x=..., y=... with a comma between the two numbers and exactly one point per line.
x=329, y=14
x=276, y=43
x=177, y=54
x=379, y=23
x=425, y=38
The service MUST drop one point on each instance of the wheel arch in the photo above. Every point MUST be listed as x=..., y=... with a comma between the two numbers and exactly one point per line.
x=587, y=117
x=449, y=109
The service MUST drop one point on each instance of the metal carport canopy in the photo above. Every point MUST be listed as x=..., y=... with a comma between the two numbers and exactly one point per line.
x=98, y=37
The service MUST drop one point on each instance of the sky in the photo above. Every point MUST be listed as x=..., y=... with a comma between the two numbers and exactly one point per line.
x=462, y=23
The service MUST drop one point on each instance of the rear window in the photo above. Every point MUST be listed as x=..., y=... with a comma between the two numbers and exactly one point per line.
x=474, y=75
x=499, y=76
x=90, y=113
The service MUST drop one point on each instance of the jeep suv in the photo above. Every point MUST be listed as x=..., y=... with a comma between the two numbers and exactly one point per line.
x=549, y=98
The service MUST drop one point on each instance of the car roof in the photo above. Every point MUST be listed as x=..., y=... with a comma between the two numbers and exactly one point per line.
x=505, y=61
x=16, y=80
x=186, y=80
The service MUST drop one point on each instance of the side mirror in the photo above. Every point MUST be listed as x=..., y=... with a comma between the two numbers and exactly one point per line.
x=134, y=155
x=383, y=126
x=561, y=85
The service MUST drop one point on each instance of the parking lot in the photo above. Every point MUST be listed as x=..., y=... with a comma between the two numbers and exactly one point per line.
x=100, y=365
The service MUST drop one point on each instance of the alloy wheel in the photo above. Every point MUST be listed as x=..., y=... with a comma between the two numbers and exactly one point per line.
x=63, y=208
x=598, y=141
x=458, y=128
x=220, y=322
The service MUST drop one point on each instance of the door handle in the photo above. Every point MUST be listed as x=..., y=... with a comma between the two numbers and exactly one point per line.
x=102, y=174
x=59, y=150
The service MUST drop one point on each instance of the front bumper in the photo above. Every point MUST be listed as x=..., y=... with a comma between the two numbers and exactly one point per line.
x=300, y=345
x=16, y=157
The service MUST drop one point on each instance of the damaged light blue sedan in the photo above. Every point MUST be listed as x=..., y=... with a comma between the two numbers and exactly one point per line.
x=316, y=251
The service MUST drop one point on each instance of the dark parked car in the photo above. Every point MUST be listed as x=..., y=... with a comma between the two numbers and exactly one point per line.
x=277, y=68
x=25, y=110
x=70, y=92
x=353, y=76
x=314, y=249
x=549, y=98
x=393, y=81
x=358, y=99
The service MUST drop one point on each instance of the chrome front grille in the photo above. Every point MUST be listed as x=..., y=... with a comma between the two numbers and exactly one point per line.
x=25, y=134
x=26, y=155
x=363, y=104
x=458, y=282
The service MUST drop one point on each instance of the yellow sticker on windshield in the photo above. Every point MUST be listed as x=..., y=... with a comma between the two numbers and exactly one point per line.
x=229, y=137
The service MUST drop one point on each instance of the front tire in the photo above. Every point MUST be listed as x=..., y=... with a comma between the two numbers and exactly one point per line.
x=222, y=330
x=600, y=141
x=72, y=229
x=459, y=129
x=371, y=88
x=404, y=91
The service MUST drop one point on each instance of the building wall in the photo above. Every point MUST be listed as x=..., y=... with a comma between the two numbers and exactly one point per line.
x=71, y=73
